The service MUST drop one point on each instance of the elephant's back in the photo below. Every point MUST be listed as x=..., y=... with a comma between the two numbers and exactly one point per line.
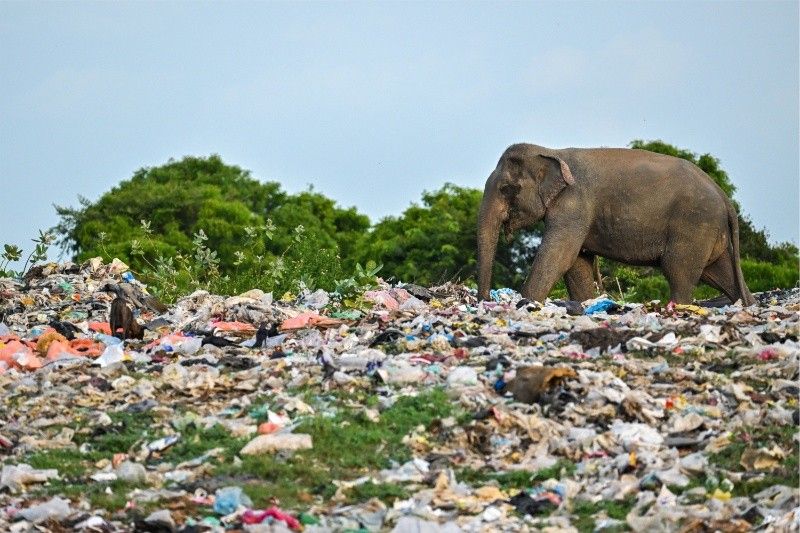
x=651, y=173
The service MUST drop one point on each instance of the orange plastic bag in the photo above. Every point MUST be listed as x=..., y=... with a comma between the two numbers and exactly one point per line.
x=308, y=320
x=101, y=327
x=86, y=347
x=233, y=326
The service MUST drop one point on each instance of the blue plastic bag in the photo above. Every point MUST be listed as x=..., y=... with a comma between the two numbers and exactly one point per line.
x=228, y=500
x=600, y=306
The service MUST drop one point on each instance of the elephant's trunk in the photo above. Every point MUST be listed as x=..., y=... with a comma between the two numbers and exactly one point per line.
x=489, y=222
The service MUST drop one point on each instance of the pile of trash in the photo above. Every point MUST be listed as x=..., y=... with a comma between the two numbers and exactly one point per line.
x=405, y=409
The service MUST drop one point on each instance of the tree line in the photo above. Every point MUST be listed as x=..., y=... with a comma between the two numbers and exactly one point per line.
x=199, y=220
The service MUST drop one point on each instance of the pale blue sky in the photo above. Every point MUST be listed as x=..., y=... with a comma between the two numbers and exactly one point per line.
x=375, y=102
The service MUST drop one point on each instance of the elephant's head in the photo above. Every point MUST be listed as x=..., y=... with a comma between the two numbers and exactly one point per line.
x=517, y=194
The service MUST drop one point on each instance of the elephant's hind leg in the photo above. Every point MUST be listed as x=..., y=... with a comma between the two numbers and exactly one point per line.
x=720, y=275
x=580, y=278
x=683, y=264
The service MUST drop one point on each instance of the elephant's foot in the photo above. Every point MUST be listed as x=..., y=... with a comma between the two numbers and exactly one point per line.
x=580, y=278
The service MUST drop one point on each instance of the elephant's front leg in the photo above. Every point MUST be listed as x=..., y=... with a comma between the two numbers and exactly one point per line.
x=580, y=278
x=557, y=253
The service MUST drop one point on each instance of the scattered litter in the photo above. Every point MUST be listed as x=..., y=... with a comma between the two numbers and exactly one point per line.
x=547, y=415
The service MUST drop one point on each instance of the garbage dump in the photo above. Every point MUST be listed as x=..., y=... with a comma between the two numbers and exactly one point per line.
x=406, y=409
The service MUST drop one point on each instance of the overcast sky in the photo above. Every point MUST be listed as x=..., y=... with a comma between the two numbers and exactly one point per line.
x=373, y=103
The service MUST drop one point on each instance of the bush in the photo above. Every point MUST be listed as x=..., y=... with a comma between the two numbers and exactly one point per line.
x=301, y=265
x=159, y=210
x=761, y=276
x=631, y=284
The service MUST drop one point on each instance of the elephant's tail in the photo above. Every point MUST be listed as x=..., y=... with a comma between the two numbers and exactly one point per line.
x=733, y=227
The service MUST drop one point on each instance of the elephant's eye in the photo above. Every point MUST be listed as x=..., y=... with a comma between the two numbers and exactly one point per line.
x=510, y=190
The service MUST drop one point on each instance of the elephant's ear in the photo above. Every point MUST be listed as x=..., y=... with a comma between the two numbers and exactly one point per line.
x=556, y=177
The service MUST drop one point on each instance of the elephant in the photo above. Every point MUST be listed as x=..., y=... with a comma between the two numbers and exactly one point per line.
x=632, y=206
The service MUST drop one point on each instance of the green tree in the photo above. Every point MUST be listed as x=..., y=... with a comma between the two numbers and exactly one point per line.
x=157, y=213
x=429, y=243
x=326, y=225
x=436, y=241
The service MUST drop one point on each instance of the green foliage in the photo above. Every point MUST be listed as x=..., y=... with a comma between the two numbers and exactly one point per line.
x=363, y=278
x=200, y=223
x=762, y=276
x=762, y=436
x=12, y=252
x=584, y=512
x=429, y=243
x=346, y=446
x=386, y=492
x=436, y=241
x=176, y=200
x=518, y=479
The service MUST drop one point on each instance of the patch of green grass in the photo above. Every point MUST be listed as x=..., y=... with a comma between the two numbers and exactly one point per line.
x=784, y=476
x=125, y=431
x=584, y=512
x=518, y=479
x=351, y=441
x=95, y=492
x=386, y=492
x=266, y=477
x=346, y=446
x=464, y=418
x=196, y=441
x=555, y=471
x=69, y=462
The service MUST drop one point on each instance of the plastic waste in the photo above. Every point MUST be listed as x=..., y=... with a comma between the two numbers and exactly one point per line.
x=413, y=524
x=130, y=471
x=189, y=346
x=16, y=477
x=462, y=376
x=601, y=306
x=309, y=319
x=108, y=340
x=161, y=520
x=257, y=517
x=114, y=353
x=317, y=299
x=500, y=295
x=636, y=436
x=229, y=499
x=54, y=509
x=627, y=402
x=163, y=443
